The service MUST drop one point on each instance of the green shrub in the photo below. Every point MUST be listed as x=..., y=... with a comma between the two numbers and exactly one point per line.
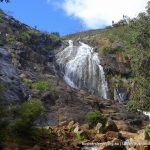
x=80, y=137
x=1, y=20
x=10, y=38
x=144, y=105
x=2, y=43
x=95, y=117
x=40, y=85
x=34, y=33
x=27, y=82
x=48, y=47
x=106, y=49
x=3, y=123
x=132, y=106
x=23, y=129
x=148, y=129
x=24, y=37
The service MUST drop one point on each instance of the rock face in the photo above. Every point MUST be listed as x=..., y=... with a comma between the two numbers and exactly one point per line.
x=27, y=56
x=12, y=89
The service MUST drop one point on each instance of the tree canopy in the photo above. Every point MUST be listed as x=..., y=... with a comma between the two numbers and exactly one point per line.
x=141, y=59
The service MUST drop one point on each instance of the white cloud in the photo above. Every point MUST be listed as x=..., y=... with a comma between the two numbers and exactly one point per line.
x=96, y=13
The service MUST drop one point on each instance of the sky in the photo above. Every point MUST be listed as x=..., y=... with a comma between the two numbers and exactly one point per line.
x=70, y=16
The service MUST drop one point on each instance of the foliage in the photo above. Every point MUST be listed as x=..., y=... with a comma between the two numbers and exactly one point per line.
x=3, y=123
x=148, y=129
x=27, y=81
x=40, y=85
x=2, y=42
x=95, y=117
x=24, y=37
x=21, y=128
x=43, y=85
x=132, y=106
x=80, y=137
x=1, y=20
x=141, y=59
x=10, y=38
x=27, y=114
x=56, y=33
x=55, y=42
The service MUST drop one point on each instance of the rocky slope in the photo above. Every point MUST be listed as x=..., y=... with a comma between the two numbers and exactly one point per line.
x=27, y=60
x=27, y=57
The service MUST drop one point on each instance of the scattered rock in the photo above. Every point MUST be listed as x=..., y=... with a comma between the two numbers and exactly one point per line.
x=70, y=125
x=98, y=128
x=142, y=135
x=64, y=123
x=100, y=138
x=123, y=126
x=76, y=130
x=85, y=126
x=112, y=135
x=111, y=126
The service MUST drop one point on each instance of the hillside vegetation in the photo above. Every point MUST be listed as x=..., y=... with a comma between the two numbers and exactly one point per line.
x=128, y=44
x=38, y=110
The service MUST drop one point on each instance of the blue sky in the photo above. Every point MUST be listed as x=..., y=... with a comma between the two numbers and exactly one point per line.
x=43, y=15
x=69, y=16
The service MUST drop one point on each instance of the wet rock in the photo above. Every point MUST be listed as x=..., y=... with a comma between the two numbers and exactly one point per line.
x=121, y=94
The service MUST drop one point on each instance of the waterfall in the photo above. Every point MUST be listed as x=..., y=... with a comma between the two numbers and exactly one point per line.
x=81, y=69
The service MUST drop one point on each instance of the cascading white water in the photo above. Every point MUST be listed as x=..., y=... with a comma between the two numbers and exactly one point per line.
x=81, y=68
